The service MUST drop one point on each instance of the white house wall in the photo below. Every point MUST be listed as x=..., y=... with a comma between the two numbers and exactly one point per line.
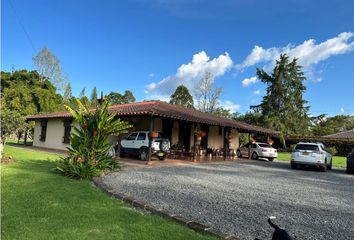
x=54, y=136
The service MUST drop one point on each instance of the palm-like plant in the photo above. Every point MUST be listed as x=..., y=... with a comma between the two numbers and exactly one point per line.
x=88, y=154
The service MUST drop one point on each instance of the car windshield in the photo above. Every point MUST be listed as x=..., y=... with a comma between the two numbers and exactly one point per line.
x=264, y=145
x=307, y=147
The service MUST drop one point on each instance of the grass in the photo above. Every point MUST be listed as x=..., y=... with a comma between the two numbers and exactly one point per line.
x=39, y=204
x=337, y=161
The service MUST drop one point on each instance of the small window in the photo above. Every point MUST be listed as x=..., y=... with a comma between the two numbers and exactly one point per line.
x=67, y=130
x=43, y=130
x=141, y=136
x=132, y=136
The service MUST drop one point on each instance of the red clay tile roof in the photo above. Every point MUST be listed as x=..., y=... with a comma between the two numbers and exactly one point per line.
x=164, y=109
x=346, y=134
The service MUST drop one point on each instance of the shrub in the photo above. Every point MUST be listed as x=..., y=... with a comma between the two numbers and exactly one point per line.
x=332, y=150
x=88, y=154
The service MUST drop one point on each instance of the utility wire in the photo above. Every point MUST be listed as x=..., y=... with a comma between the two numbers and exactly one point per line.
x=23, y=26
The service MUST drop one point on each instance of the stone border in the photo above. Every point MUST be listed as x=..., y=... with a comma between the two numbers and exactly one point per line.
x=196, y=226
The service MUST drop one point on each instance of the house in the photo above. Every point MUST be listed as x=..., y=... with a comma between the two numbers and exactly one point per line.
x=52, y=130
x=342, y=135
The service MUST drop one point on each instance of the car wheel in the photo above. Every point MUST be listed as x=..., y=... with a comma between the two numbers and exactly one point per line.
x=143, y=154
x=324, y=167
x=270, y=159
x=164, y=146
x=329, y=167
x=254, y=156
x=238, y=153
x=293, y=165
x=162, y=158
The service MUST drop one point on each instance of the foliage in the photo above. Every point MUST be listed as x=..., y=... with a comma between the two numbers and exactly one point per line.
x=49, y=67
x=93, y=99
x=68, y=92
x=23, y=93
x=88, y=153
x=332, y=150
x=283, y=107
x=117, y=98
x=37, y=204
x=182, y=97
x=208, y=95
x=323, y=125
x=252, y=117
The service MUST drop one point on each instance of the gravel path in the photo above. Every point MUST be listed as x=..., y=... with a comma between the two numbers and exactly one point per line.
x=237, y=198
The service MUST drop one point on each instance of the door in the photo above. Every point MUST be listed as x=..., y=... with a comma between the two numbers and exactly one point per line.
x=141, y=140
x=129, y=142
x=184, y=135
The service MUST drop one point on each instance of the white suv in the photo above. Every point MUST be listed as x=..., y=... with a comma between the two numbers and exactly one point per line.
x=311, y=154
x=258, y=149
x=137, y=143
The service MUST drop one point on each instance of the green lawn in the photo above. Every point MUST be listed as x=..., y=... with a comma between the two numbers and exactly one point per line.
x=336, y=160
x=38, y=204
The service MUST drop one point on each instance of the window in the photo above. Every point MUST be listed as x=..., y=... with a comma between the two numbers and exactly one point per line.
x=132, y=136
x=307, y=147
x=141, y=136
x=43, y=130
x=67, y=130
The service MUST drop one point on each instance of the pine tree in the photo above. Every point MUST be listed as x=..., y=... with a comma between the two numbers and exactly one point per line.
x=283, y=107
x=182, y=97
x=68, y=93
x=93, y=99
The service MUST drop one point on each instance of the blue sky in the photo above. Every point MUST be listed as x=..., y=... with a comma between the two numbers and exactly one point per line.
x=149, y=47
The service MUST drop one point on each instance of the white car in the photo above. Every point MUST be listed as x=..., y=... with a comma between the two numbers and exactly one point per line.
x=137, y=143
x=311, y=154
x=258, y=149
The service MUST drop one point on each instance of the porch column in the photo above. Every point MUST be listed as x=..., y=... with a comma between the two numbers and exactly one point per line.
x=150, y=140
x=118, y=148
x=226, y=143
x=249, y=145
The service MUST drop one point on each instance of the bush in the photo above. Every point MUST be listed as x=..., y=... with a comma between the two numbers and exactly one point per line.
x=88, y=154
x=332, y=150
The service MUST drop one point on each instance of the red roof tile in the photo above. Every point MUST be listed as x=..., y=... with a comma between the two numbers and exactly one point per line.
x=164, y=109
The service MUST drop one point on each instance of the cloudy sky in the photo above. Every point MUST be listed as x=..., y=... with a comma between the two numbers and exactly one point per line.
x=150, y=47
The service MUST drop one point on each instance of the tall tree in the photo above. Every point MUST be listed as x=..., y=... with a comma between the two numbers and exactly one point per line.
x=83, y=98
x=128, y=96
x=48, y=66
x=93, y=99
x=182, y=97
x=67, y=92
x=208, y=95
x=283, y=107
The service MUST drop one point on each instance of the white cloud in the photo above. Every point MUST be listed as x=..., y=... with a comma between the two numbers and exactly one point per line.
x=151, y=75
x=229, y=105
x=309, y=53
x=342, y=110
x=188, y=74
x=248, y=81
x=256, y=92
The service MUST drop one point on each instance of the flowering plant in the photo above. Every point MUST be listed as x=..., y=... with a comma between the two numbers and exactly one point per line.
x=89, y=147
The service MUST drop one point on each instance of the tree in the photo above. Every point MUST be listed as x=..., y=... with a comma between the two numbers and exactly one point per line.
x=68, y=92
x=283, y=107
x=208, y=95
x=93, y=99
x=323, y=125
x=117, y=98
x=83, y=98
x=182, y=97
x=128, y=97
x=49, y=67
x=11, y=123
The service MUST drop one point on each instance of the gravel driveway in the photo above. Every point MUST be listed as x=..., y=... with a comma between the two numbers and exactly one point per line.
x=237, y=198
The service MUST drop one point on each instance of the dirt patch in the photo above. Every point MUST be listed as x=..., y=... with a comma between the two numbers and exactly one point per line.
x=7, y=160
